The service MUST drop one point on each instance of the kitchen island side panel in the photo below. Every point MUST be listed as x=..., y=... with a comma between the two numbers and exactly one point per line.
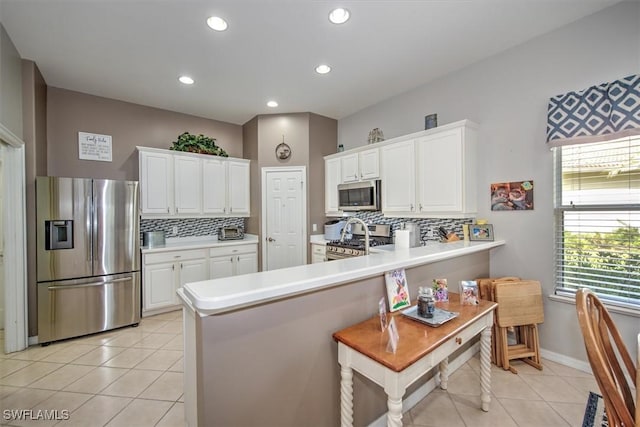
x=276, y=364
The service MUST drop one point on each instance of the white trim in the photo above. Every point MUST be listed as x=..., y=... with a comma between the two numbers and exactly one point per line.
x=578, y=364
x=611, y=308
x=15, y=250
x=9, y=137
x=303, y=241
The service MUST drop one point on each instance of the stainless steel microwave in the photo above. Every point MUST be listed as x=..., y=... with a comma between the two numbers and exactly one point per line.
x=359, y=196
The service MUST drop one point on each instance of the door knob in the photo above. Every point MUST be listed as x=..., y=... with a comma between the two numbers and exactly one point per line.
x=271, y=239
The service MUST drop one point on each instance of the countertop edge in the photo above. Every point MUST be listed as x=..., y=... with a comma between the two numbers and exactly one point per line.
x=199, y=244
x=313, y=277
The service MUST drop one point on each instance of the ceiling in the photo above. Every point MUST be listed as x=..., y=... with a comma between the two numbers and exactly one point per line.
x=134, y=50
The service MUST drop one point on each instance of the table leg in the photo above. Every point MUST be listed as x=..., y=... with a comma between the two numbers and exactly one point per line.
x=485, y=368
x=346, y=396
x=394, y=416
x=444, y=373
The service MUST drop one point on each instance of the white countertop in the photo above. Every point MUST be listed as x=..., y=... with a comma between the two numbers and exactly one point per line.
x=318, y=239
x=182, y=243
x=221, y=295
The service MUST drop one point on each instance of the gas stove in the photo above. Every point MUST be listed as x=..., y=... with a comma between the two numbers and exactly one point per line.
x=379, y=234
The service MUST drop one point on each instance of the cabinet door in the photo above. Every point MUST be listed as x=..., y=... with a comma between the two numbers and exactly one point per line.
x=156, y=181
x=332, y=177
x=187, y=185
x=159, y=283
x=214, y=186
x=238, y=187
x=349, y=168
x=193, y=270
x=398, y=177
x=246, y=263
x=221, y=266
x=369, y=162
x=440, y=175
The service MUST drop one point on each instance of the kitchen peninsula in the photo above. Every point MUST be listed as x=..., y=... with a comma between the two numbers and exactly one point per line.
x=259, y=347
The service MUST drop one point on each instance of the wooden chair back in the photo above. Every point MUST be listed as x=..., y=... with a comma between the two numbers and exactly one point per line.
x=608, y=358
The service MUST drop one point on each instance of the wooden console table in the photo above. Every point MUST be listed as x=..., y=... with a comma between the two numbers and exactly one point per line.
x=363, y=347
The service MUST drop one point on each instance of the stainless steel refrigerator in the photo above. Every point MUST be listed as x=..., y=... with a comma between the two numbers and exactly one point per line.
x=88, y=261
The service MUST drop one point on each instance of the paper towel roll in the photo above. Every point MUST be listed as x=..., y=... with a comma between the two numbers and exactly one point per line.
x=402, y=238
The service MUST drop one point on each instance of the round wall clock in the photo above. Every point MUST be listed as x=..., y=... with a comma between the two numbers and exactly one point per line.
x=283, y=151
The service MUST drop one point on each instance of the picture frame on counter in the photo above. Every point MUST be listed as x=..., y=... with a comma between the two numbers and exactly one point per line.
x=481, y=232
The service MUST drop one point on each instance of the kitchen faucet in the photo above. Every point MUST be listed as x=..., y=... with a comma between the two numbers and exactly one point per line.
x=366, y=232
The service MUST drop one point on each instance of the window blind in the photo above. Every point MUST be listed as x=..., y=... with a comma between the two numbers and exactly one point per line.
x=597, y=214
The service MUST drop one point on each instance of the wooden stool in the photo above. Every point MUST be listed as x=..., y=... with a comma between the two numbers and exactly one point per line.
x=519, y=307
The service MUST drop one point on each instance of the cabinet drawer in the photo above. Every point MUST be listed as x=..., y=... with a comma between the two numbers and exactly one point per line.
x=174, y=256
x=233, y=250
x=318, y=249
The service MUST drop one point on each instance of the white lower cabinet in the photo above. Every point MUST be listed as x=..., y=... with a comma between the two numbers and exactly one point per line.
x=164, y=273
x=233, y=261
x=318, y=252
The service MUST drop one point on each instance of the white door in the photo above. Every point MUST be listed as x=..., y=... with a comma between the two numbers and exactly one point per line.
x=246, y=263
x=194, y=270
x=159, y=285
x=349, y=167
x=221, y=266
x=284, y=216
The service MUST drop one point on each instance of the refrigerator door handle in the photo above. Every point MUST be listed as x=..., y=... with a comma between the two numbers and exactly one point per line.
x=87, y=285
x=89, y=226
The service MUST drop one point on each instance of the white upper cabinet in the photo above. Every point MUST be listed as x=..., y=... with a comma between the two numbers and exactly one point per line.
x=238, y=194
x=332, y=177
x=398, y=191
x=156, y=181
x=214, y=184
x=186, y=184
x=364, y=165
x=433, y=174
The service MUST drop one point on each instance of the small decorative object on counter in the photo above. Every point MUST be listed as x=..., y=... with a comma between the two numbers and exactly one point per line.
x=430, y=121
x=375, y=135
x=340, y=148
x=440, y=290
x=468, y=292
x=426, y=303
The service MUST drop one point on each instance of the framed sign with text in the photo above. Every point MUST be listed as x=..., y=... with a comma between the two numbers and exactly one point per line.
x=93, y=146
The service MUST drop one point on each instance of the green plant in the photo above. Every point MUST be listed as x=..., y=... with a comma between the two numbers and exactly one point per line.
x=197, y=144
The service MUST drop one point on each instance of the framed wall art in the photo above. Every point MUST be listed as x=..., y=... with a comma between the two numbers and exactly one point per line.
x=512, y=196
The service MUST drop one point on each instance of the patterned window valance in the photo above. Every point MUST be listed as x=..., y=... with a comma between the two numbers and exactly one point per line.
x=607, y=111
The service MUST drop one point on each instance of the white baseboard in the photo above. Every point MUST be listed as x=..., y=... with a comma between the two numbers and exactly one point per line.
x=33, y=340
x=415, y=397
x=578, y=364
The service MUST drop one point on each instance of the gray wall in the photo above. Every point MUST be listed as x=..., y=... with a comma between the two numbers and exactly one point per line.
x=310, y=137
x=128, y=124
x=10, y=85
x=507, y=95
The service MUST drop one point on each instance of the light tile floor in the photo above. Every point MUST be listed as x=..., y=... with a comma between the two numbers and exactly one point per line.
x=133, y=377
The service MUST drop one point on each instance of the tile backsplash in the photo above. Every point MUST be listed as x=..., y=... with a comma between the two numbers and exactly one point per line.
x=428, y=226
x=189, y=227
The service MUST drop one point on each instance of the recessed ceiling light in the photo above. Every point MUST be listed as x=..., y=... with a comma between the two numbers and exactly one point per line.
x=216, y=23
x=272, y=104
x=323, y=69
x=339, y=16
x=186, y=80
